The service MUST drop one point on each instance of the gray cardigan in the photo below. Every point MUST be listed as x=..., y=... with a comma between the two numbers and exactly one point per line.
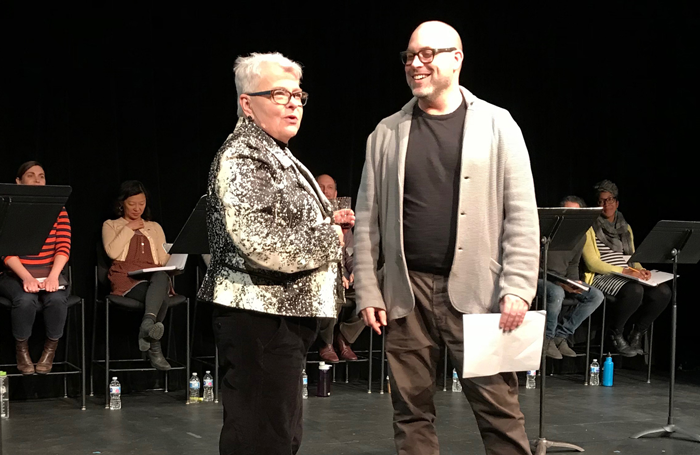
x=497, y=248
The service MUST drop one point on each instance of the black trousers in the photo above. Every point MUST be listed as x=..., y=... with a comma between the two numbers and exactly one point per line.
x=263, y=356
x=25, y=305
x=154, y=294
x=638, y=304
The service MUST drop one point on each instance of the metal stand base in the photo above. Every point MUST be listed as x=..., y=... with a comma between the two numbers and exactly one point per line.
x=667, y=430
x=541, y=445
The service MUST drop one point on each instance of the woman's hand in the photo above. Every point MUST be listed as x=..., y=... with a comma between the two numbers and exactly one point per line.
x=345, y=218
x=645, y=274
x=31, y=285
x=135, y=225
x=51, y=284
x=634, y=273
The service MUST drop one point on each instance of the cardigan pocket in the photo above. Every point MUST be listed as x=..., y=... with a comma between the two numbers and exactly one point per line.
x=495, y=267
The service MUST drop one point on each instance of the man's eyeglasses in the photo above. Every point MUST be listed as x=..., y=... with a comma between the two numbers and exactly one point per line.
x=609, y=200
x=283, y=96
x=425, y=55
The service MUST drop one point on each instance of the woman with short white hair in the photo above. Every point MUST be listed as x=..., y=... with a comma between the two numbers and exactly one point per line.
x=275, y=260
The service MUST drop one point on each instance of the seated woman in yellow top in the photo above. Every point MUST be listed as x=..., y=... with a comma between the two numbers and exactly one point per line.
x=606, y=242
x=134, y=243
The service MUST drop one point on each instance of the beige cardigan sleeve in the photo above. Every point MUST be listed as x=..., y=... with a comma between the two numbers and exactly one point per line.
x=115, y=238
x=159, y=239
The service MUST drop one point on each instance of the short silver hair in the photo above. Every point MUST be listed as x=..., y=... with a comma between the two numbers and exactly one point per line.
x=248, y=71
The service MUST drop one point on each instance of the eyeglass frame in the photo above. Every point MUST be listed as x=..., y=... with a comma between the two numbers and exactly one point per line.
x=607, y=200
x=405, y=54
x=291, y=95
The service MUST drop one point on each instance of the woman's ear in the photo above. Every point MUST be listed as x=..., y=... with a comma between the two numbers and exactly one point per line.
x=245, y=105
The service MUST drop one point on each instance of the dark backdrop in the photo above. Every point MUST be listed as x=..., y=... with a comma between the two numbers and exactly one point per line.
x=104, y=93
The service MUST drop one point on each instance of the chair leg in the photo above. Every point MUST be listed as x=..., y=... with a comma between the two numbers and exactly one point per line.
x=187, y=353
x=383, y=356
x=167, y=347
x=370, y=359
x=444, y=385
x=602, y=329
x=588, y=353
x=92, y=347
x=216, y=372
x=82, y=353
x=650, y=341
x=107, y=353
x=66, y=344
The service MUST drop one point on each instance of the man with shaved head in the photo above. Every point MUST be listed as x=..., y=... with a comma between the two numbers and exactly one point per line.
x=446, y=225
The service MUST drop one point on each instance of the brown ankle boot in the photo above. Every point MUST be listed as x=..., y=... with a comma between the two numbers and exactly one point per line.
x=45, y=363
x=24, y=361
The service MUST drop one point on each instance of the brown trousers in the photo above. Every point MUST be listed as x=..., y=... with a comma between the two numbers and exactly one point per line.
x=350, y=327
x=413, y=351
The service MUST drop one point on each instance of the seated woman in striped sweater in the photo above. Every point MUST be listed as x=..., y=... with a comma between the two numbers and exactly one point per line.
x=34, y=282
x=607, y=242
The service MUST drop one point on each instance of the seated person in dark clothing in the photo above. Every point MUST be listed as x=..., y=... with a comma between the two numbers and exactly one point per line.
x=349, y=329
x=565, y=264
x=134, y=242
x=34, y=282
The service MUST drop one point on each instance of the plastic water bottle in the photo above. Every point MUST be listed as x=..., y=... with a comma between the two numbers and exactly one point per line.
x=608, y=368
x=194, y=389
x=456, y=385
x=595, y=373
x=531, y=382
x=4, y=395
x=304, y=384
x=115, y=395
x=208, y=393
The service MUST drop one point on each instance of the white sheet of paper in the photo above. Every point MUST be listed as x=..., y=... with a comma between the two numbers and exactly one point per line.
x=489, y=350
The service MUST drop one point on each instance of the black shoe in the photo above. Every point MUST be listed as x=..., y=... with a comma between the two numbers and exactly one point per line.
x=621, y=345
x=148, y=332
x=155, y=355
x=636, y=338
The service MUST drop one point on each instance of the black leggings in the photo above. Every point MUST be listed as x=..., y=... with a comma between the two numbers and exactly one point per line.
x=642, y=304
x=154, y=293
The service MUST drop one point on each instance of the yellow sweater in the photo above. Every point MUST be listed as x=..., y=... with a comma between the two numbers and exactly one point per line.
x=591, y=258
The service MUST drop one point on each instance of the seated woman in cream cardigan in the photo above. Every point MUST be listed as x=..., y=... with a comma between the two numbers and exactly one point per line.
x=134, y=242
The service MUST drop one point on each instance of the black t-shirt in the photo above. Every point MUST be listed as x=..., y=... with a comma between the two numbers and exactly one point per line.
x=431, y=190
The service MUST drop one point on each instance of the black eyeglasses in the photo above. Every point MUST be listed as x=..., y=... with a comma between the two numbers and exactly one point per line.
x=283, y=96
x=609, y=200
x=425, y=55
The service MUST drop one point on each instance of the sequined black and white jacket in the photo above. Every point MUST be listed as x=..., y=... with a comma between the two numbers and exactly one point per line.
x=272, y=246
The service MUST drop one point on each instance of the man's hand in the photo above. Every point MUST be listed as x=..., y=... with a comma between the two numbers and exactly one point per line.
x=513, y=310
x=345, y=218
x=32, y=285
x=51, y=284
x=346, y=283
x=571, y=289
x=374, y=318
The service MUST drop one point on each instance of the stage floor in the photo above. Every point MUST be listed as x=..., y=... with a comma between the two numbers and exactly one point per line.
x=351, y=421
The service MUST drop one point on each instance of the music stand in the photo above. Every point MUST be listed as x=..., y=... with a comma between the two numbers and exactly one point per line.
x=193, y=239
x=19, y=203
x=675, y=242
x=561, y=229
